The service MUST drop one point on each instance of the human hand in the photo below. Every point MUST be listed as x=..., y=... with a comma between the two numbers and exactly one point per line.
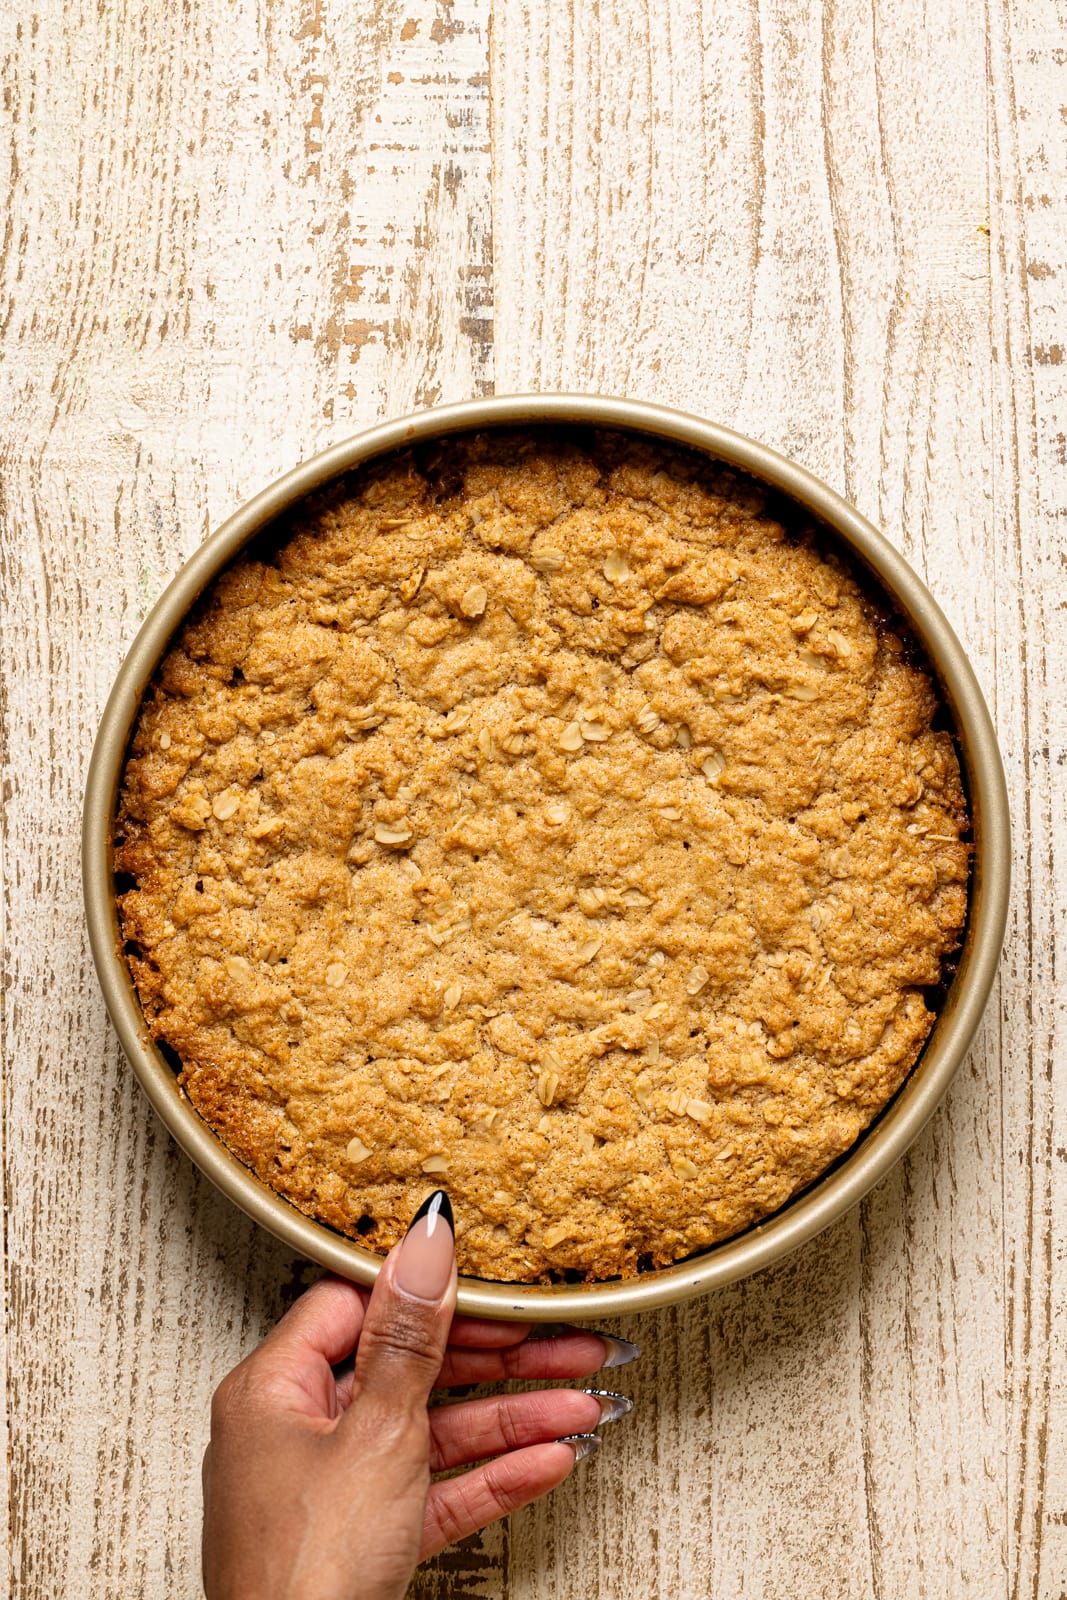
x=317, y=1479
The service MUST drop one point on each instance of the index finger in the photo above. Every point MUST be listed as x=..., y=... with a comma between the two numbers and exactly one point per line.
x=326, y=1320
x=293, y=1367
x=481, y=1334
x=571, y=1353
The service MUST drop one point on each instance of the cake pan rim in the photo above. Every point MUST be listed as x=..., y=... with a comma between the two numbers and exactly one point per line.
x=896, y=1128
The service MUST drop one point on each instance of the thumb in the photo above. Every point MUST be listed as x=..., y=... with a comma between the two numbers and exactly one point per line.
x=405, y=1330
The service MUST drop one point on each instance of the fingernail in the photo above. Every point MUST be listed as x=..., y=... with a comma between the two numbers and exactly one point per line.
x=612, y=1405
x=424, y=1264
x=584, y=1444
x=620, y=1351
x=617, y=1351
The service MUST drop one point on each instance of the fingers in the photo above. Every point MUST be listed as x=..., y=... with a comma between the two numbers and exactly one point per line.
x=479, y=1332
x=405, y=1328
x=460, y=1506
x=573, y=1353
x=479, y=1428
x=291, y=1371
x=327, y=1319
x=570, y=1353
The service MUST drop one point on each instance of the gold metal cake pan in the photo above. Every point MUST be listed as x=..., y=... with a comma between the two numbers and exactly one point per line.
x=888, y=1137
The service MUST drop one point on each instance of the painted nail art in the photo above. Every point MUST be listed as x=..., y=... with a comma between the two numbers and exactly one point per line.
x=436, y=1204
x=620, y=1351
x=424, y=1265
x=584, y=1444
x=612, y=1405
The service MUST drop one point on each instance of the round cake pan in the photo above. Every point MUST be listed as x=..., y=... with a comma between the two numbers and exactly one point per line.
x=892, y=1132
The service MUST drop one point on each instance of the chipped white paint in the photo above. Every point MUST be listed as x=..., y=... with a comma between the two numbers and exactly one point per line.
x=237, y=231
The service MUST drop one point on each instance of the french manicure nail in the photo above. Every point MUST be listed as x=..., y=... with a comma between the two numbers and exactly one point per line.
x=612, y=1405
x=424, y=1264
x=619, y=1351
x=583, y=1444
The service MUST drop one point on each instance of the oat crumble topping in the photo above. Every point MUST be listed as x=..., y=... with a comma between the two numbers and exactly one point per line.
x=542, y=818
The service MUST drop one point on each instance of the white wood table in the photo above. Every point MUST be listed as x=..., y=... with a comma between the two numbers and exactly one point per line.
x=237, y=230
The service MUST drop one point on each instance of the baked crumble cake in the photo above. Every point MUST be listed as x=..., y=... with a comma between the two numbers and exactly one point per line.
x=541, y=816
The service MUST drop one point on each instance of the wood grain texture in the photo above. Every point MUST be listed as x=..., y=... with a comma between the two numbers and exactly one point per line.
x=830, y=254
x=1029, y=71
x=203, y=202
x=234, y=232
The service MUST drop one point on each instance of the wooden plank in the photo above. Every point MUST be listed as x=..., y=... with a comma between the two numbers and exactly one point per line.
x=781, y=218
x=1028, y=69
x=238, y=231
x=195, y=201
x=932, y=1319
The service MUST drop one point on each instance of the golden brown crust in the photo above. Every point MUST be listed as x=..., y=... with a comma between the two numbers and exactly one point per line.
x=542, y=819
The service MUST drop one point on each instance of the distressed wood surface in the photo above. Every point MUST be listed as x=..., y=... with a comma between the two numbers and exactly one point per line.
x=236, y=230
